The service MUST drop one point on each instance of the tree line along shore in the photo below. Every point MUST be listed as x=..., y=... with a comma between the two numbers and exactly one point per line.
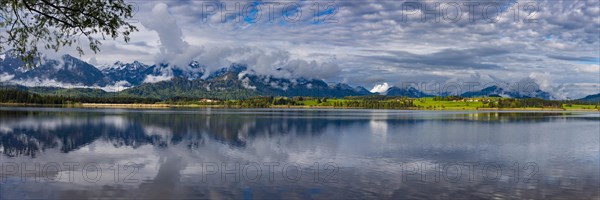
x=13, y=97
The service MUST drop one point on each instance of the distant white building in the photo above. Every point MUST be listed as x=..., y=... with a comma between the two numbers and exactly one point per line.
x=208, y=100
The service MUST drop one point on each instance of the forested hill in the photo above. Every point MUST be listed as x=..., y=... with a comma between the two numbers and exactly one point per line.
x=591, y=98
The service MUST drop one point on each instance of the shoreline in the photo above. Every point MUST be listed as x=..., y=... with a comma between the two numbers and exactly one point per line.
x=168, y=106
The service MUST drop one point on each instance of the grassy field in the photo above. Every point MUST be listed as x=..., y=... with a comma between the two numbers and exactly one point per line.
x=313, y=102
x=430, y=104
x=420, y=103
x=580, y=107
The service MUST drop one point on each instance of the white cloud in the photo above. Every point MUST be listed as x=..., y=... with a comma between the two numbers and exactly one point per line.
x=116, y=87
x=173, y=48
x=381, y=88
x=154, y=79
x=246, y=84
x=576, y=90
x=6, y=77
x=588, y=68
x=173, y=31
x=92, y=61
x=36, y=82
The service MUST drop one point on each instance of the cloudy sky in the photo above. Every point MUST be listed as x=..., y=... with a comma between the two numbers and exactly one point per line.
x=369, y=43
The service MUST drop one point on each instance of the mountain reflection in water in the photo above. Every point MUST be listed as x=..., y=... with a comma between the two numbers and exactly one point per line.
x=378, y=153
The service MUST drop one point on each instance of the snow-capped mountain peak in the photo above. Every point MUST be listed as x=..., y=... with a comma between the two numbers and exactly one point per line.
x=71, y=71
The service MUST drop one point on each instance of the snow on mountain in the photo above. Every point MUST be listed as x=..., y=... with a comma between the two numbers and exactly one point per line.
x=406, y=92
x=72, y=72
x=523, y=91
x=68, y=70
x=132, y=73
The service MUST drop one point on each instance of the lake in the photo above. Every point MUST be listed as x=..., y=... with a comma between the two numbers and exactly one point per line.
x=76, y=153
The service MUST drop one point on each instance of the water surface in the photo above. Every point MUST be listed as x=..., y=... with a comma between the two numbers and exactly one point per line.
x=78, y=153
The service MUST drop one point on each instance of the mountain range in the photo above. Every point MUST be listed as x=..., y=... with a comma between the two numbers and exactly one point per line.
x=164, y=81
x=591, y=98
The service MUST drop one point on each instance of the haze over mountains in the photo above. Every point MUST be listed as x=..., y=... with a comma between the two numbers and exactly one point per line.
x=237, y=80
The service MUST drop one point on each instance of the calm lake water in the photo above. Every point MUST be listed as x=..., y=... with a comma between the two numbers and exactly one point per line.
x=297, y=154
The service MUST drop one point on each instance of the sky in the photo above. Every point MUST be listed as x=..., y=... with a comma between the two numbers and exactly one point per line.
x=376, y=44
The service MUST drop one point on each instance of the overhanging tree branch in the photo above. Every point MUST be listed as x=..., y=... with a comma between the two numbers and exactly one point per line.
x=46, y=15
x=28, y=22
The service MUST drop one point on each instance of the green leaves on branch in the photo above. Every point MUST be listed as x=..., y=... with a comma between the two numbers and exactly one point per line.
x=26, y=25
